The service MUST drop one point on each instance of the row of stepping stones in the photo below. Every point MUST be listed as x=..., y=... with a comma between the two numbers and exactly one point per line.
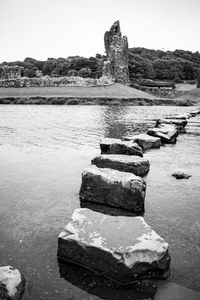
x=124, y=249
x=121, y=248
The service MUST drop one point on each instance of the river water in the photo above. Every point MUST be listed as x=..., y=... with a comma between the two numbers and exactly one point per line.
x=43, y=152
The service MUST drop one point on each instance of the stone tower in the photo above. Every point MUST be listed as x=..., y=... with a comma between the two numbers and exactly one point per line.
x=198, y=79
x=116, y=47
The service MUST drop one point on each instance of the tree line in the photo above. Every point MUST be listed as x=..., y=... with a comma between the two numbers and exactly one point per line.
x=178, y=65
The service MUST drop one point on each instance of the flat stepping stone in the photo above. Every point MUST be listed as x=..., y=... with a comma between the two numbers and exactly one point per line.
x=181, y=175
x=121, y=248
x=12, y=283
x=177, y=122
x=125, y=163
x=117, y=146
x=113, y=188
x=167, y=133
x=145, y=141
x=180, y=116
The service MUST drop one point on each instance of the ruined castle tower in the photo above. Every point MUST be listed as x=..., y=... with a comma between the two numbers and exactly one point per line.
x=198, y=79
x=116, y=47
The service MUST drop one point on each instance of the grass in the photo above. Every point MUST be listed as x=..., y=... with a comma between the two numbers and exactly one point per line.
x=114, y=91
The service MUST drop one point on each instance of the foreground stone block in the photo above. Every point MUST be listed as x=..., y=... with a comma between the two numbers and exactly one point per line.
x=12, y=283
x=145, y=141
x=113, y=188
x=125, y=163
x=122, y=248
x=167, y=133
x=117, y=146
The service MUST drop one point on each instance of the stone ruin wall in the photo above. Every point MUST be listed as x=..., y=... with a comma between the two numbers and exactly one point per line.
x=116, y=47
x=198, y=80
x=11, y=72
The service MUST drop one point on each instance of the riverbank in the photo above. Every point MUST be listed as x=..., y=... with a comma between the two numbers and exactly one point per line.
x=116, y=94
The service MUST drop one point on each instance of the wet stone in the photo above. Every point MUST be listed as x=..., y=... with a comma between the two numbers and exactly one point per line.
x=113, y=188
x=117, y=146
x=179, y=123
x=123, y=249
x=181, y=175
x=12, y=283
x=125, y=163
x=145, y=141
x=167, y=133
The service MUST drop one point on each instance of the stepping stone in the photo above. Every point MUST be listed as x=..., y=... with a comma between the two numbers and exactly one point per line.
x=12, y=283
x=181, y=175
x=145, y=141
x=167, y=133
x=179, y=123
x=121, y=248
x=117, y=146
x=113, y=188
x=180, y=116
x=125, y=163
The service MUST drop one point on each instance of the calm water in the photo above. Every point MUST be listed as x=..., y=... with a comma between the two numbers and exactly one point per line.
x=43, y=152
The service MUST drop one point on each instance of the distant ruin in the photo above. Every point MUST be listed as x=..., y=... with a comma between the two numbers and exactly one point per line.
x=198, y=80
x=11, y=72
x=116, y=65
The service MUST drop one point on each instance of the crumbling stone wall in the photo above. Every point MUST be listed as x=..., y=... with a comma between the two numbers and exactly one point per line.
x=47, y=81
x=10, y=72
x=116, y=47
x=198, y=80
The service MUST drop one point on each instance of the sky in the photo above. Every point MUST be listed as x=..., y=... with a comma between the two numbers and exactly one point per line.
x=62, y=28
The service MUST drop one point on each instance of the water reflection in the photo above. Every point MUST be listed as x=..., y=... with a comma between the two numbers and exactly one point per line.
x=104, y=288
x=107, y=210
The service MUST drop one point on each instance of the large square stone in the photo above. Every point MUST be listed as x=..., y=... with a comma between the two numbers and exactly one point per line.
x=124, y=249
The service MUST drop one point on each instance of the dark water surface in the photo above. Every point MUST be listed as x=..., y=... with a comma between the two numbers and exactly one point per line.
x=43, y=152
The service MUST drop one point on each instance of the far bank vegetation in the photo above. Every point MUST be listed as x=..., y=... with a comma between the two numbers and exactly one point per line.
x=177, y=66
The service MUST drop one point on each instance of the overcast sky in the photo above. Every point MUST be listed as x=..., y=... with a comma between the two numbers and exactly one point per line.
x=62, y=28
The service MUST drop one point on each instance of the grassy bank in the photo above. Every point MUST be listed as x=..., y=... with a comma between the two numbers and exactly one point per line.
x=116, y=94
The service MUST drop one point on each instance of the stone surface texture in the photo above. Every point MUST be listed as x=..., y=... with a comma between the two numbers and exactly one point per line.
x=12, y=283
x=125, y=163
x=121, y=248
x=166, y=132
x=113, y=188
x=116, y=47
x=145, y=141
x=117, y=146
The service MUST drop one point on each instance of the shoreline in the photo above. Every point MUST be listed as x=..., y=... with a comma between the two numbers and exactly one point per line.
x=115, y=94
x=40, y=100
